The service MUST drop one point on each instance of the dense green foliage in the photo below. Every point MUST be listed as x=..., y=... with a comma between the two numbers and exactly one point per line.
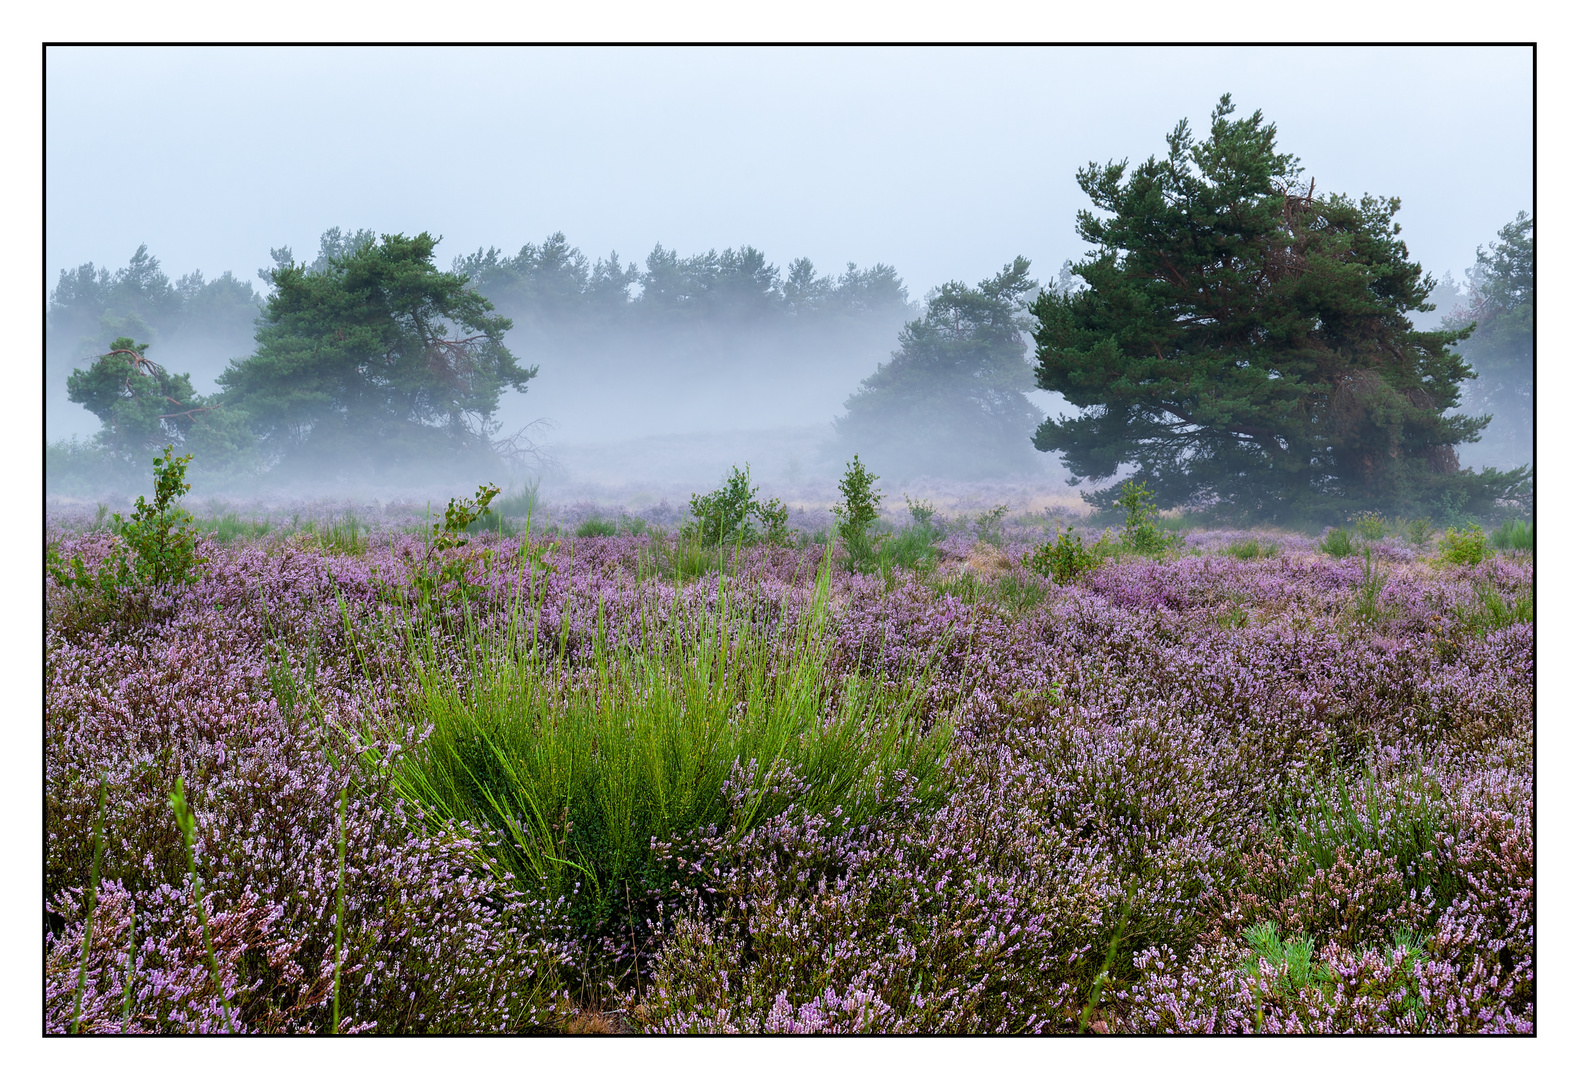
x=1244, y=340
x=732, y=514
x=377, y=360
x=142, y=407
x=1514, y=535
x=1065, y=561
x=950, y=402
x=1466, y=548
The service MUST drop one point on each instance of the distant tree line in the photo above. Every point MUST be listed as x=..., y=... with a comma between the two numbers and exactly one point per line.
x=1237, y=340
x=370, y=357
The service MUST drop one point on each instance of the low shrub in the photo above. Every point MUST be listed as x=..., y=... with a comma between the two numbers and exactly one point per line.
x=1514, y=535
x=857, y=510
x=1371, y=526
x=989, y=526
x=1141, y=533
x=1065, y=561
x=1337, y=543
x=157, y=546
x=732, y=514
x=1466, y=548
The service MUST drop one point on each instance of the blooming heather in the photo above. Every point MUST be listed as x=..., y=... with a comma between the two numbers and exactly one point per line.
x=1148, y=762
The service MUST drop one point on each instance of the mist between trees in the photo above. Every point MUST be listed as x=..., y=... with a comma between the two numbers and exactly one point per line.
x=1244, y=343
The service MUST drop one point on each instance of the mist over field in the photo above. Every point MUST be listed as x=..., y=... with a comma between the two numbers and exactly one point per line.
x=789, y=541
x=685, y=311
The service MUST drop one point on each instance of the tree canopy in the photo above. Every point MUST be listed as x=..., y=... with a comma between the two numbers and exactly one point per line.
x=195, y=323
x=951, y=402
x=375, y=359
x=1243, y=340
x=144, y=407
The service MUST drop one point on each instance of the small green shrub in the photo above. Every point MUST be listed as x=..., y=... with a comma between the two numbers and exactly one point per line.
x=732, y=514
x=857, y=513
x=157, y=546
x=921, y=512
x=1337, y=543
x=1293, y=957
x=1065, y=561
x=1466, y=548
x=989, y=526
x=1141, y=534
x=774, y=516
x=1371, y=526
x=1418, y=530
x=1453, y=515
x=436, y=569
x=1514, y=535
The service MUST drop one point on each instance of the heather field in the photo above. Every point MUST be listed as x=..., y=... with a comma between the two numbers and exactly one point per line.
x=595, y=776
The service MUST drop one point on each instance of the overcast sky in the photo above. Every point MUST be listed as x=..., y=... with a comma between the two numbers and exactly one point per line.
x=942, y=162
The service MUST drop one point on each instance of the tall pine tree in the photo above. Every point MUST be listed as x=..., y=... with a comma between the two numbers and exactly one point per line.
x=1243, y=341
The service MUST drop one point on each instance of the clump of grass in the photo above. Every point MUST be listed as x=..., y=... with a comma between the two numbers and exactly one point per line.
x=911, y=548
x=1492, y=612
x=1466, y=548
x=679, y=559
x=344, y=535
x=517, y=504
x=1401, y=820
x=1337, y=542
x=186, y=823
x=596, y=526
x=1237, y=617
x=717, y=726
x=1251, y=549
x=231, y=526
x=1020, y=593
x=1514, y=535
x=1367, y=603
